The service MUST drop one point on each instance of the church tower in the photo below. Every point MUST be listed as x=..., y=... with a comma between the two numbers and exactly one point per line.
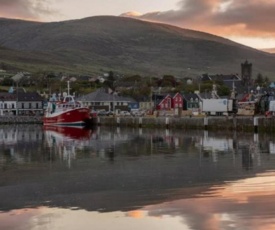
x=246, y=73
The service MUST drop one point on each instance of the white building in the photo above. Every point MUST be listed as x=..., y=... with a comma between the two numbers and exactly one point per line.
x=8, y=102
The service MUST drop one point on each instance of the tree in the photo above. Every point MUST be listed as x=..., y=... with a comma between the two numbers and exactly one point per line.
x=7, y=81
x=259, y=79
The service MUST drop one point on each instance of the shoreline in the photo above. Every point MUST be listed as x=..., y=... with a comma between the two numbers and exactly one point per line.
x=237, y=123
x=212, y=123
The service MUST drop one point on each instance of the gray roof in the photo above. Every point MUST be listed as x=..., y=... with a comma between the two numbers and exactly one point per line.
x=205, y=95
x=31, y=96
x=188, y=96
x=7, y=97
x=220, y=77
x=101, y=96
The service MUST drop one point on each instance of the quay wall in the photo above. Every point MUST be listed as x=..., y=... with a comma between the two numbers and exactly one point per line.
x=249, y=123
x=238, y=123
x=21, y=120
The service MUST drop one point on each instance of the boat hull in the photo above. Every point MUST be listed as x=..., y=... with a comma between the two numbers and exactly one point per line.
x=74, y=117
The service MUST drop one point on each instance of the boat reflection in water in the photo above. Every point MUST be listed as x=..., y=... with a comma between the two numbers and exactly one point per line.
x=66, y=140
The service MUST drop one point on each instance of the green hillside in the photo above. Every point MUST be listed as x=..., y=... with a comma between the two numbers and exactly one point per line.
x=123, y=45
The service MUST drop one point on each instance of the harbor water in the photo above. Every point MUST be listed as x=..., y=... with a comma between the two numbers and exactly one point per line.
x=135, y=178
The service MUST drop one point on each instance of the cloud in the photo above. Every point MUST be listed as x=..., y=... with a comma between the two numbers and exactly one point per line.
x=131, y=14
x=221, y=17
x=26, y=9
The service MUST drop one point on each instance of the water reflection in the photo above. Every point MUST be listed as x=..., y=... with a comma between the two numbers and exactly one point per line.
x=151, y=179
x=65, y=141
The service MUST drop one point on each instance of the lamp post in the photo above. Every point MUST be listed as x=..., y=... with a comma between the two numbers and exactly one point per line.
x=2, y=108
x=17, y=98
x=258, y=89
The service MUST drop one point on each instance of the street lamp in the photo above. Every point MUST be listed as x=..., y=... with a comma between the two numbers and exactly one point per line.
x=17, y=97
x=258, y=89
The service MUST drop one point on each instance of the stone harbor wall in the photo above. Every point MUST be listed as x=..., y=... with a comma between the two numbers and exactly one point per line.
x=21, y=120
x=219, y=123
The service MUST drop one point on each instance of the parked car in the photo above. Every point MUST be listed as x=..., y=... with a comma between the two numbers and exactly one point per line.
x=137, y=113
x=105, y=113
x=110, y=113
x=125, y=113
x=102, y=113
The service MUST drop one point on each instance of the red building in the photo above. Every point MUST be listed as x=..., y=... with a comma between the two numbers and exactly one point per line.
x=169, y=102
x=177, y=101
x=165, y=103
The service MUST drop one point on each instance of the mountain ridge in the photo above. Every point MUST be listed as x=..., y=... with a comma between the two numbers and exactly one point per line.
x=269, y=50
x=124, y=45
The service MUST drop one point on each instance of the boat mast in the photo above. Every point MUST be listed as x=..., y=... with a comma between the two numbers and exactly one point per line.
x=68, y=85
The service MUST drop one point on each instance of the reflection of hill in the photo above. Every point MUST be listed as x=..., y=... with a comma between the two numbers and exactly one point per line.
x=128, y=177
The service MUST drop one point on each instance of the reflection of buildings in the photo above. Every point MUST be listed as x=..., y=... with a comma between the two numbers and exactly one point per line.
x=272, y=147
x=216, y=144
x=11, y=135
x=26, y=143
x=249, y=148
x=15, y=141
x=213, y=145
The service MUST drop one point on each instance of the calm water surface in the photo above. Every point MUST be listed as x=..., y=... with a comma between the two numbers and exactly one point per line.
x=135, y=179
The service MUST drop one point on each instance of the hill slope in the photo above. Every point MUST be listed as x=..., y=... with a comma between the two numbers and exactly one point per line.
x=125, y=45
x=270, y=50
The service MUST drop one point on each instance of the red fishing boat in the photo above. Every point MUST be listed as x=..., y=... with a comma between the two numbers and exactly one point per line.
x=66, y=111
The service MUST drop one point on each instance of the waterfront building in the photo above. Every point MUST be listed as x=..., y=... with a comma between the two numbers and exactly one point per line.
x=30, y=103
x=8, y=102
x=101, y=100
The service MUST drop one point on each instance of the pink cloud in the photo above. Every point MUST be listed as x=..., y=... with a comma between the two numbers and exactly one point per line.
x=221, y=17
x=25, y=9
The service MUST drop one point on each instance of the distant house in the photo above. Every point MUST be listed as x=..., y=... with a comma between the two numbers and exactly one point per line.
x=228, y=80
x=72, y=79
x=177, y=101
x=7, y=104
x=162, y=101
x=191, y=101
x=133, y=105
x=168, y=102
x=21, y=76
x=101, y=100
x=220, y=77
x=21, y=103
x=29, y=103
x=146, y=105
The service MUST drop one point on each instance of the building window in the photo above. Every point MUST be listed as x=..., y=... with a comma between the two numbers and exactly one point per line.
x=37, y=105
x=23, y=105
x=12, y=106
x=30, y=105
x=5, y=106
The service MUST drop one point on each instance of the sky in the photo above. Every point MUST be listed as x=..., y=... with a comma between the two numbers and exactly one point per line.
x=249, y=22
